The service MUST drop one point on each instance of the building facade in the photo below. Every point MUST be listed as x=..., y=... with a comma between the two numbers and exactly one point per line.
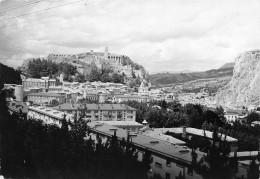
x=43, y=82
x=101, y=112
x=47, y=115
x=46, y=98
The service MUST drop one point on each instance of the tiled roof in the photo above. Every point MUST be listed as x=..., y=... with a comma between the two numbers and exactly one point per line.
x=195, y=131
x=157, y=146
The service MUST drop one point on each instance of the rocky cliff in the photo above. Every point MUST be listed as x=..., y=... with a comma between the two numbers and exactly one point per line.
x=244, y=87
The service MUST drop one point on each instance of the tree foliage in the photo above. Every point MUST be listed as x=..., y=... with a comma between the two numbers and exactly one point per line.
x=194, y=115
x=104, y=74
x=9, y=75
x=38, y=68
x=253, y=116
x=32, y=149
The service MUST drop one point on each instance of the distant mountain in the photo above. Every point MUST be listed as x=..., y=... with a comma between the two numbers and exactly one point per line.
x=171, y=78
x=228, y=65
x=173, y=72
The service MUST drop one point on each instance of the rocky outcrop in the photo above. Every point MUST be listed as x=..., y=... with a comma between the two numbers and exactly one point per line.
x=244, y=87
x=84, y=61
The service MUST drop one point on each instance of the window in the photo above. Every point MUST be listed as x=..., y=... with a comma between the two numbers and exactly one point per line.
x=157, y=164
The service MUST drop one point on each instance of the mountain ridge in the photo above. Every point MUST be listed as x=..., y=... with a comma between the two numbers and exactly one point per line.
x=228, y=65
x=172, y=78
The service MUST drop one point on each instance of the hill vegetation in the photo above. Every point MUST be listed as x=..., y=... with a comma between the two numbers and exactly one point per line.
x=9, y=75
x=38, y=68
x=104, y=75
x=170, y=78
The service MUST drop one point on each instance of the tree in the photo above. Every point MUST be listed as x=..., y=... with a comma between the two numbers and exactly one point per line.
x=212, y=117
x=117, y=78
x=9, y=76
x=220, y=112
x=54, y=102
x=138, y=80
x=80, y=78
x=253, y=171
x=38, y=68
x=133, y=74
x=253, y=116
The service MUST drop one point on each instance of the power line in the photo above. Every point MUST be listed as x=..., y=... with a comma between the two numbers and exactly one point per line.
x=13, y=6
x=19, y=6
x=25, y=22
x=6, y=27
x=43, y=10
x=121, y=17
x=29, y=35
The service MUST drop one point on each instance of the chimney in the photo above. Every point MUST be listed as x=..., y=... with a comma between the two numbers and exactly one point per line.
x=184, y=134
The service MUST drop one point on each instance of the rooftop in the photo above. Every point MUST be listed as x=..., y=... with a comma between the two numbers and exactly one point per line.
x=122, y=123
x=50, y=112
x=195, y=131
x=158, y=135
x=160, y=147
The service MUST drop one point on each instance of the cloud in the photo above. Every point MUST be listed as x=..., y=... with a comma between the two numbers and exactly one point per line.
x=161, y=35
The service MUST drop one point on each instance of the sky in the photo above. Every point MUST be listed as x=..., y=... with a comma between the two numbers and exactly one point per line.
x=161, y=35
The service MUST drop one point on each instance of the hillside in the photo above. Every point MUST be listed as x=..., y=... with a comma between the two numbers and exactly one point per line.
x=169, y=78
x=84, y=62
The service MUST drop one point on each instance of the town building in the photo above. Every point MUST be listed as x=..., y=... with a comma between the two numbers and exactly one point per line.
x=168, y=160
x=101, y=112
x=43, y=82
x=48, y=116
x=231, y=116
x=45, y=98
x=144, y=88
x=118, y=98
